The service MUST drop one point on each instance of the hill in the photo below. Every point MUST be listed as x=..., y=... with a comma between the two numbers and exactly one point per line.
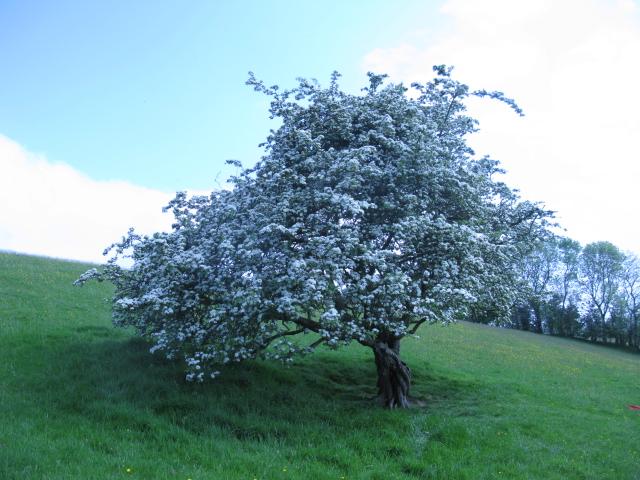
x=81, y=399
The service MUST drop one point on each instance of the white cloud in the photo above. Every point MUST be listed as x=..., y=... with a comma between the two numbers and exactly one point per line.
x=51, y=209
x=572, y=65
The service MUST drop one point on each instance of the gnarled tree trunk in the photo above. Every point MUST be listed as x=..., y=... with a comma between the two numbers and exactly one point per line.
x=394, y=377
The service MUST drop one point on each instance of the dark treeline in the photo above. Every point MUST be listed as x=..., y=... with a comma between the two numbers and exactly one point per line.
x=590, y=292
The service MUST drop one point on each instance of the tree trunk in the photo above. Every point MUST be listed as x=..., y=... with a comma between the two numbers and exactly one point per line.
x=394, y=377
x=538, y=316
x=603, y=329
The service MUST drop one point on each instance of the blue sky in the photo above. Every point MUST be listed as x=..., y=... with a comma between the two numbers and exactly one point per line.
x=108, y=108
x=154, y=93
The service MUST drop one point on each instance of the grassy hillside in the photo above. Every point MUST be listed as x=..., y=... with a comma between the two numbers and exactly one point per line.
x=82, y=400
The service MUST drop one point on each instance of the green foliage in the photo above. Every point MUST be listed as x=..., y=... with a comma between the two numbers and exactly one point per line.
x=82, y=400
x=561, y=318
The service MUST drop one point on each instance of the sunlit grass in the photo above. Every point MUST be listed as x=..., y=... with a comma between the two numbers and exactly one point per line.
x=80, y=399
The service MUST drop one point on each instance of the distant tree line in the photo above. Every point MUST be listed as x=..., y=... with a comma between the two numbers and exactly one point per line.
x=590, y=292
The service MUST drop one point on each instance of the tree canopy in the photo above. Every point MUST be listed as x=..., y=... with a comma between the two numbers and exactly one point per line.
x=368, y=216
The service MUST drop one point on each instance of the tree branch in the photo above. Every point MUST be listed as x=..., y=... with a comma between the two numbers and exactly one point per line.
x=316, y=343
x=446, y=117
x=388, y=241
x=367, y=343
x=281, y=334
x=416, y=326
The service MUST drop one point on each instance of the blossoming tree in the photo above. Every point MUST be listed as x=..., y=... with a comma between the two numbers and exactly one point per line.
x=367, y=217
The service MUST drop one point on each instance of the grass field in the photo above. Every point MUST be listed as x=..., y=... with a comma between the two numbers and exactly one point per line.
x=80, y=399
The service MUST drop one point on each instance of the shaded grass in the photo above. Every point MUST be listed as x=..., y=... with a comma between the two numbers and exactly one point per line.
x=80, y=399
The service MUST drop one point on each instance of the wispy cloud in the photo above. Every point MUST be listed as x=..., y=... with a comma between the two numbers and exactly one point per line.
x=573, y=67
x=51, y=209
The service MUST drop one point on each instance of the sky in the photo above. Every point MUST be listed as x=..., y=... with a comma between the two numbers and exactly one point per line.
x=108, y=108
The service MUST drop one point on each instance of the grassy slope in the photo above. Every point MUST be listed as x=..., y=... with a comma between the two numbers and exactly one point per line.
x=80, y=399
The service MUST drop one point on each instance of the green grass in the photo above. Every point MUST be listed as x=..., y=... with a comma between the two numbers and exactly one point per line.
x=80, y=399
